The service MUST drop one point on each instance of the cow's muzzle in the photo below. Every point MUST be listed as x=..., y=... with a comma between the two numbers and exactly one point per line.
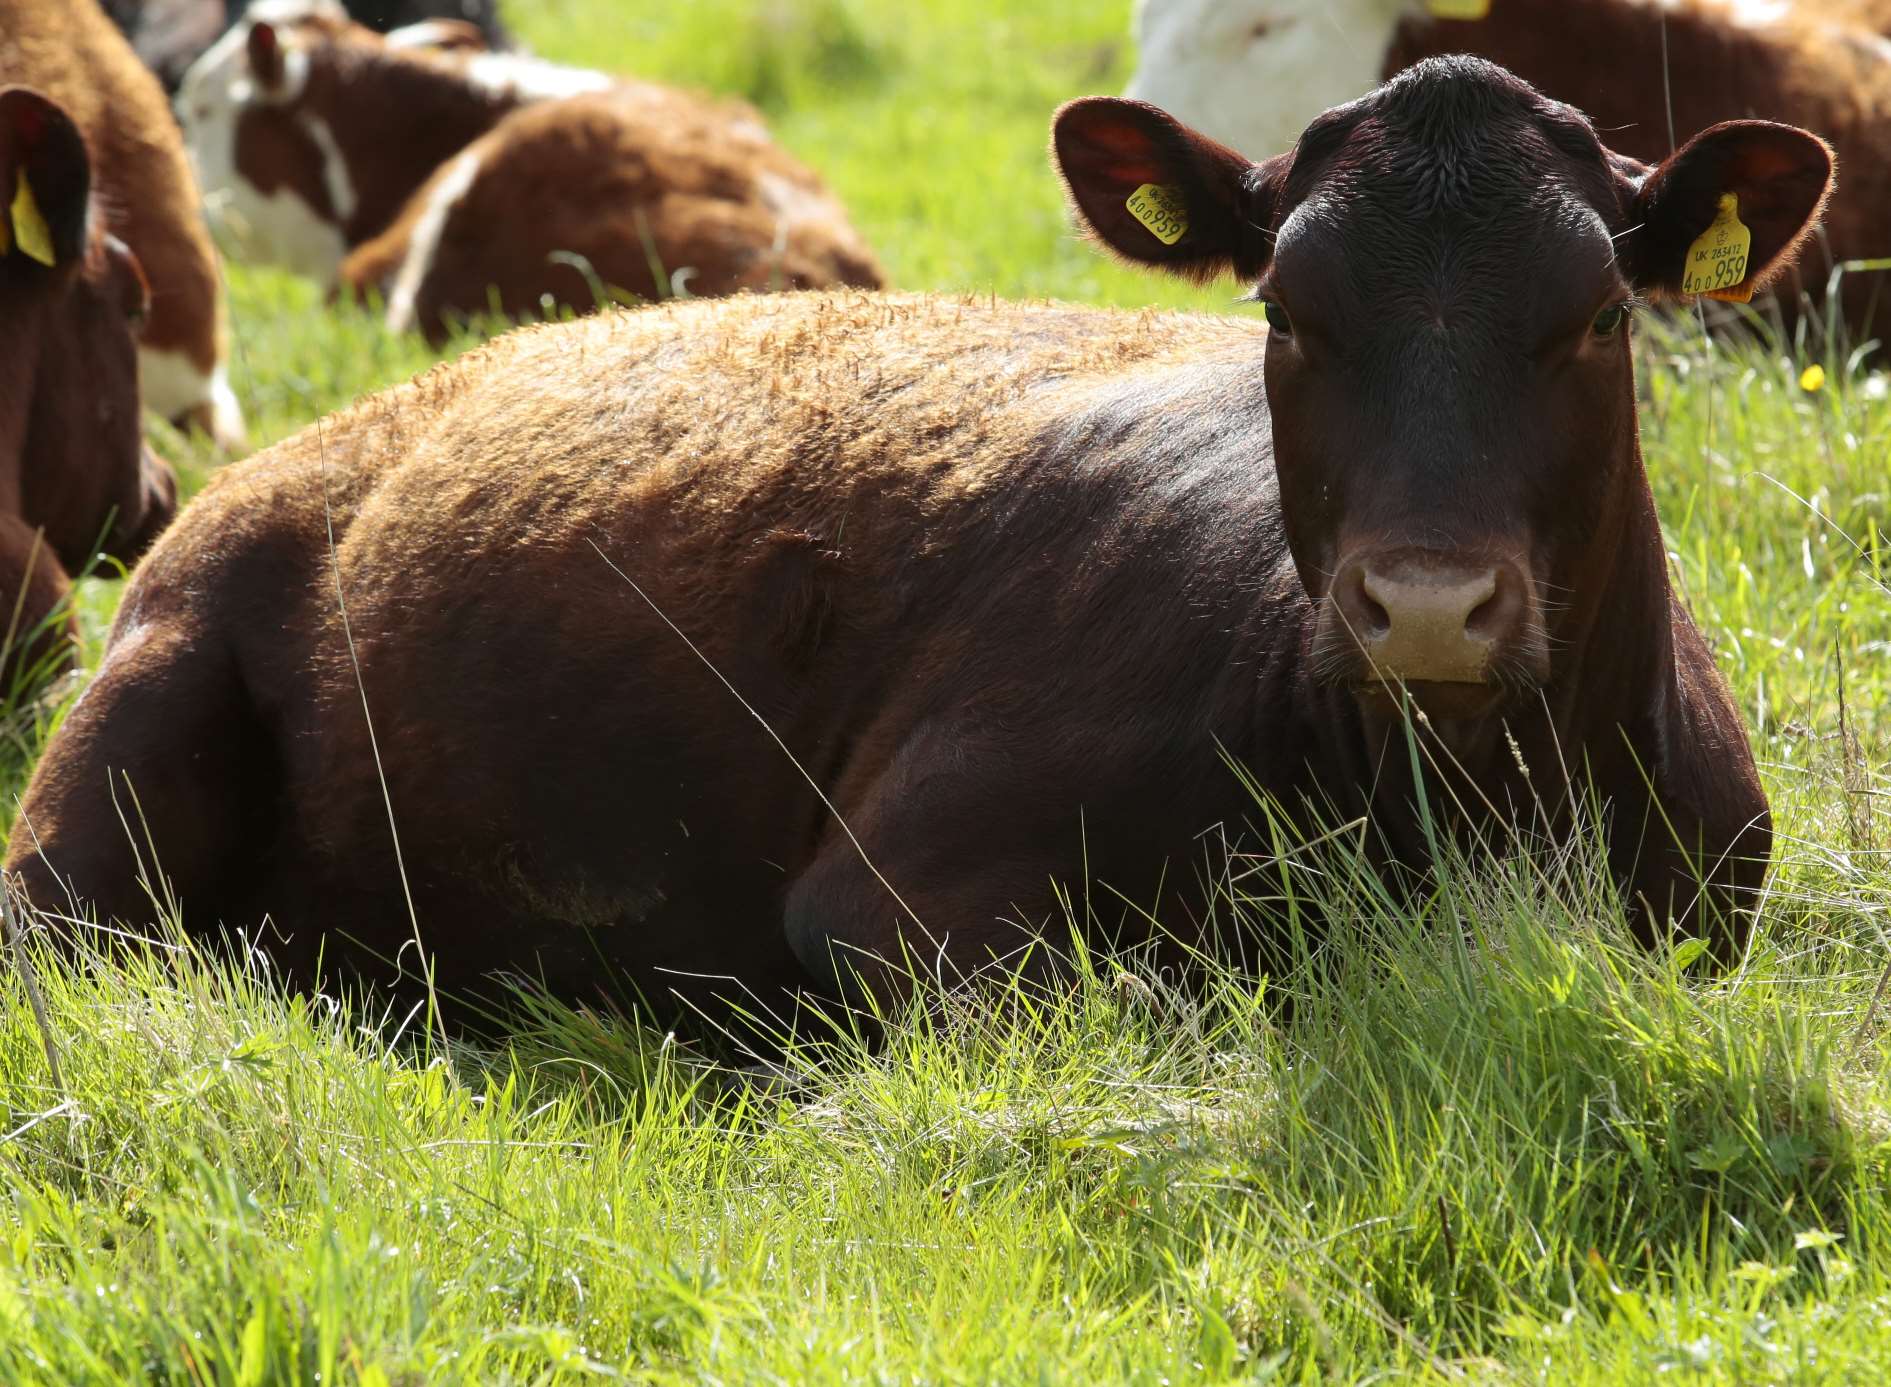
x=1457, y=633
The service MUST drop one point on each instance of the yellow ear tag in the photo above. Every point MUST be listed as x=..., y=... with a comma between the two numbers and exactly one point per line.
x=29, y=227
x=1457, y=9
x=1717, y=261
x=1161, y=209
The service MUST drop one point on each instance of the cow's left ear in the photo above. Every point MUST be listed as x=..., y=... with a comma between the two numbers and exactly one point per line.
x=1158, y=193
x=45, y=179
x=1727, y=211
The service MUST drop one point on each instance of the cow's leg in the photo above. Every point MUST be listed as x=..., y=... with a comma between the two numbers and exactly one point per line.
x=937, y=873
x=158, y=788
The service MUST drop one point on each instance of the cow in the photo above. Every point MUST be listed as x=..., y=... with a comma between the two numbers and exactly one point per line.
x=69, y=51
x=75, y=472
x=169, y=35
x=787, y=639
x=499, y=168
x=310, y=132
x=642, y=189
x=1250, y=72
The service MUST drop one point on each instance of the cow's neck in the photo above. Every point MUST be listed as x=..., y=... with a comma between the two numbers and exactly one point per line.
x=438, y=112
x=16, y=406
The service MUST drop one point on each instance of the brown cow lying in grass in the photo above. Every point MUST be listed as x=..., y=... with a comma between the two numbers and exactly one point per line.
x=74, y=471
x=69, y=51
x=450, y=180
x=1003, y=579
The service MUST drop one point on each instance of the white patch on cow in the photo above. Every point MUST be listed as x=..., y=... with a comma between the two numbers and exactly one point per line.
x=171, y=385
x=277, y=228
x=531, y=79
x=423, y=246
x=1254, y=73
x=341, y=187
x=1758, y=14
x=425, y=33
x=792, y=204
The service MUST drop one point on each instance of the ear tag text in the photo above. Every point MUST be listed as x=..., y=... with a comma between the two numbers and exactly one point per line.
x=29, y=227
x=1717, y=261
x=1160, y=208
x=1457, y=9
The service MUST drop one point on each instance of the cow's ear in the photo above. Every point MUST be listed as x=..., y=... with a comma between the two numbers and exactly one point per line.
x=1727, y=211
x=1158, y=193
x=264, y=48
x=45, y=180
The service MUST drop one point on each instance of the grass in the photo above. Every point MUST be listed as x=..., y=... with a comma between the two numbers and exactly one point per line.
x=1482, y=1140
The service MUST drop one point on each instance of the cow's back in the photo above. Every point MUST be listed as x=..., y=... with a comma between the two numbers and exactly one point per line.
x=583, y=566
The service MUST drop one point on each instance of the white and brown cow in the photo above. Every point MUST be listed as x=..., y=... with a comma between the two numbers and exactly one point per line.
x=1251, y=73
x=70, y=51
x=310, y=132
x=170, y=35
x=447, y=178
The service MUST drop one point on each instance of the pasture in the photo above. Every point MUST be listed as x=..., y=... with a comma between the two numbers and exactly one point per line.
x=1486, y=1140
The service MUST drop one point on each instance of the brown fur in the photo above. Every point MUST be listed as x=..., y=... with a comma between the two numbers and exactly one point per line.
x=1606, y=57
x=71, y=51
x=74, y=472
x=638, y=182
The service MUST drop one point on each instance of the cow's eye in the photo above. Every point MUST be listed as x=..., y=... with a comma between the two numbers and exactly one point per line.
x=1609, y=319
x=1277, y=319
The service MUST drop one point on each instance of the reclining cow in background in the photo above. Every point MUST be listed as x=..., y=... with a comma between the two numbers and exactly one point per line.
x=1252, y=72
x=1006, y=581
x=169, y=35
x=449, y=179
x=68, y=50
x=74, y=470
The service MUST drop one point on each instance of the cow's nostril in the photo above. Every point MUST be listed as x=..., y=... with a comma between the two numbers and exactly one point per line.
x=1495, y=618
x=1375, y=620
x=1365, y=616
x=1481, y=624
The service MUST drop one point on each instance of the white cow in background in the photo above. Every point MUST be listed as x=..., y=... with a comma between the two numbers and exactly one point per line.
x=1251, y=73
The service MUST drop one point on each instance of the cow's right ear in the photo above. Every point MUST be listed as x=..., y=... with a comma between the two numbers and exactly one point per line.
x=1158, y=193
x=267, y=63
x=1727, y=212
x=45, y=180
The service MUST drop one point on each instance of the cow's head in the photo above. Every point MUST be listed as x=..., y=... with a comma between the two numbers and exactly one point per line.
x=309, y=131
x=72, y=297
x=276, y=185
x=1449, y=267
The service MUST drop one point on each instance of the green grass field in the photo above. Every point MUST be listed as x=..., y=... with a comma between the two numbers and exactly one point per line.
x=1489, y=1142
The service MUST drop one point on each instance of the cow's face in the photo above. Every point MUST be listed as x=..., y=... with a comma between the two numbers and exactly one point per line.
x=276, y=187
x=1448, y=268
x=73, y=298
